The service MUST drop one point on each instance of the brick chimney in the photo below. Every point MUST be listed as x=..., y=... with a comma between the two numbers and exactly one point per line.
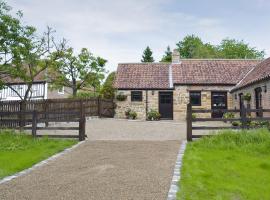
x=176, y=56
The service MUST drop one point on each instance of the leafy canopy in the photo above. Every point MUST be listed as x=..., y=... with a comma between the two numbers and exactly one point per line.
x=78, y=71
x=168, y=55
x=193, y=47
x=147, y=55
x=24, y=54
x=108, y=91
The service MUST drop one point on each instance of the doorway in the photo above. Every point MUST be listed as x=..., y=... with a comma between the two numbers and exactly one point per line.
x=166, y=105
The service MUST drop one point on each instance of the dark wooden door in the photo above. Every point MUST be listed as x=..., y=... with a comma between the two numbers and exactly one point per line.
x=258, y=100
x=166, y=105
x=219, y=101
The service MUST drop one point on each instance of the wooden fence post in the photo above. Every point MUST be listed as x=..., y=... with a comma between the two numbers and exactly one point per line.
x=99, y=107
x=189, y=122
x=244, y=117
x=34, y=123
x=82, y=124
x=45, y=110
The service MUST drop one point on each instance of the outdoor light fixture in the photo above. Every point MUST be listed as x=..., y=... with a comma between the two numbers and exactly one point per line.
x=265, y=88
x=235, y=96
x=153, y=92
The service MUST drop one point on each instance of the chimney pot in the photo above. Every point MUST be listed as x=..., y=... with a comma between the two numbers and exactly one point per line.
x=175, y=56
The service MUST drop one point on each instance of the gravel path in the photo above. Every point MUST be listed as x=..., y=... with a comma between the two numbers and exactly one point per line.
x=101, y=170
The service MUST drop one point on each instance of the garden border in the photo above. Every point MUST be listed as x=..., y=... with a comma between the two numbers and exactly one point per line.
x=39, y=164
x=177, y=172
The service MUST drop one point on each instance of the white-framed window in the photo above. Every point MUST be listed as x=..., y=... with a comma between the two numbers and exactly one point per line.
x=61, y=90
x=18, y=89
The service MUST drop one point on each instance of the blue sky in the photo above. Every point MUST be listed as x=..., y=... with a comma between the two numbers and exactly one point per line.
x=119, y=30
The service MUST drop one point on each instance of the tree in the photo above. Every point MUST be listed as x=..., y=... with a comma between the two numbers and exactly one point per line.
x=147, y=55
x=168, y=55
x=108, y=91
x=231, y=48
x=79, y=71
x=193, y=47
x=24, y=54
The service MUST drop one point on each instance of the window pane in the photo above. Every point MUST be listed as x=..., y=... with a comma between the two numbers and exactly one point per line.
x=195, y=98
x=136, y=96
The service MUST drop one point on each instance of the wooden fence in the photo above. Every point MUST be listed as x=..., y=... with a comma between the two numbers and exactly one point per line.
x=244, y=114
x=21, y=114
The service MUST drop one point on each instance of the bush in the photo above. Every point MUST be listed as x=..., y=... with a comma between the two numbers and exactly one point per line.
x=228, y=115
x=130, y=114
x=236, y=123
x=153, y=115
x=247, y=97
x=194, y=116
x=84, y=95
x=121, y=97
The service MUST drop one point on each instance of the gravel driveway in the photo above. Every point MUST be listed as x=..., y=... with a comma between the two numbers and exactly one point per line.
x=120, y=160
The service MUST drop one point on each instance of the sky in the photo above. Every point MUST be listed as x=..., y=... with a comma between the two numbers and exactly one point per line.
x=119, y=30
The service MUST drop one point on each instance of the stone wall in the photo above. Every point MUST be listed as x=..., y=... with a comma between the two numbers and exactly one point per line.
x=138, y=107
x=251, y=90
x=181, y=99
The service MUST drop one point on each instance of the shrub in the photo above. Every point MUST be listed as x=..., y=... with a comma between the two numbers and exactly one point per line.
x=121, y=97
x=236, y=123
x=127, y=112
x=130, y=114
x=228, y=115
x=247, y=97
x=153, y=115
x=194, y=116
x=84, y=95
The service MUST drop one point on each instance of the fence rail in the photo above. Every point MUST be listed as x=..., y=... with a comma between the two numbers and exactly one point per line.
x=27, y=114
x=244, y=118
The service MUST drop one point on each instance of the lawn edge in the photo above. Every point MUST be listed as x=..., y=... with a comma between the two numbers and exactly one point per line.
x=177, y=172
x=39, y=164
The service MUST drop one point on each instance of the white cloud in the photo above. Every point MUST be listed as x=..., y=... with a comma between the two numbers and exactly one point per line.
x=119, y=30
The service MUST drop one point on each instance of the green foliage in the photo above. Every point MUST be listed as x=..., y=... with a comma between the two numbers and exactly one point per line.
x=19, y=151
x=23, y=53
x=193, y=47
x=130, y=114
x=168, y=55
x=147, y=55
x=229, y=165
x=121, y=97
x=83, y=95
x=247, y=96
x=78, y=71
x=107, y=90
x=233, y=49
x=236, y=123
x=228, y=115
x=193, y=116
x=153, y=115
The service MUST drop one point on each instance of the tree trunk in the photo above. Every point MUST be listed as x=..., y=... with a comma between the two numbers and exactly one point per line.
x=74, y=92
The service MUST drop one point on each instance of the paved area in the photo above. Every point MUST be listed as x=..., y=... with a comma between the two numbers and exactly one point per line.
x=120, y=160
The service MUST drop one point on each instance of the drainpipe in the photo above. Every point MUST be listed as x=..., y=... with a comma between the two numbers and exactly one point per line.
x=146, y=103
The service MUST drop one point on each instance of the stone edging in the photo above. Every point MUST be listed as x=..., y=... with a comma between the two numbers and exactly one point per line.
x=44, y=162
x=176, y=173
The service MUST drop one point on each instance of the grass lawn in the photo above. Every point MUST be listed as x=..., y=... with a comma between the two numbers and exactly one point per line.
x=227, y=166
x=20, y=151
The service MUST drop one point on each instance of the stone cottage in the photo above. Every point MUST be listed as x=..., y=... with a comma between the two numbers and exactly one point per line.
x=256, y=83
x=168, y=87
